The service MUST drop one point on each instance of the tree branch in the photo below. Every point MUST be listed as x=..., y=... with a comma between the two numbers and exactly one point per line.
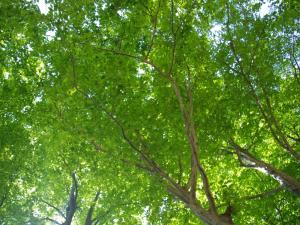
x=3, y=198
x=192, y=138
x=56, y=209
x=137, y=58
x=263, y=194
x=180, y=172
x=52, y=220
x=89, y=217
x=154, y=21
x=72, y=203
x=290, y=182
x=269, y=117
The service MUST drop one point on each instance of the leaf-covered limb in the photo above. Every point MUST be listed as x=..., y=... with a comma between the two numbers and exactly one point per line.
x=290, y=182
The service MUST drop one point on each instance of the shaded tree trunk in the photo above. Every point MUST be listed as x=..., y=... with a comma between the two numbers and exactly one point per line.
x=72, y=204
x=89, y=218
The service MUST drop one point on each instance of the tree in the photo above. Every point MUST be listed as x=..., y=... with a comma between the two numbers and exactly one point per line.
x=72, y=207
x=178, y=112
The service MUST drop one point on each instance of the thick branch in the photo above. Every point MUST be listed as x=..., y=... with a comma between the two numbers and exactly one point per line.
x=89, y=218
x=192, y=138
x=291, y=183
x=72, y=204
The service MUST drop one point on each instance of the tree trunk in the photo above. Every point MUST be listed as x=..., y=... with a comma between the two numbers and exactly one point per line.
x=209, y=218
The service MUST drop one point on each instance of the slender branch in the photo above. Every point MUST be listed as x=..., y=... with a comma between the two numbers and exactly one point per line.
x=138, y=165
x=193, y=178
x=263, y=194
x=111, y=209
x=3, y=198
x=52, y=220
x=190, y=92
x=174, y=43
x=139, y=59
x=206, y=185
x=180, y=172
x=154, y=20
x=295, y=67
x=295, y=60
x=173, y=56
x=193, y=175
x=285, y=143
x=172, y=16
x=56, y=209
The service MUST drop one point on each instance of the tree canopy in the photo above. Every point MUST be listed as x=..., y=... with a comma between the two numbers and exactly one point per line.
x=149, y=112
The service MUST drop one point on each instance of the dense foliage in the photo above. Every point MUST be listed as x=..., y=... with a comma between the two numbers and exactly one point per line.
x=150, y=112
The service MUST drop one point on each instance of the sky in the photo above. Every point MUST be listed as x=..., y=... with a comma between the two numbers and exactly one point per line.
x=43, y=6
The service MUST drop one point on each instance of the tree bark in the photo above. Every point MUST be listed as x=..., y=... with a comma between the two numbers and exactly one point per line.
x=89, y=218
x=291, y=183
x=72, y=204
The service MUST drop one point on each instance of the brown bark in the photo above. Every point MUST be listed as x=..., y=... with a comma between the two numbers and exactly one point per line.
x=207, y=216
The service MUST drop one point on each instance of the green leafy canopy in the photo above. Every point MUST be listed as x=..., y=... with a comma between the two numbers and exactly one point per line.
x=149, y=112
